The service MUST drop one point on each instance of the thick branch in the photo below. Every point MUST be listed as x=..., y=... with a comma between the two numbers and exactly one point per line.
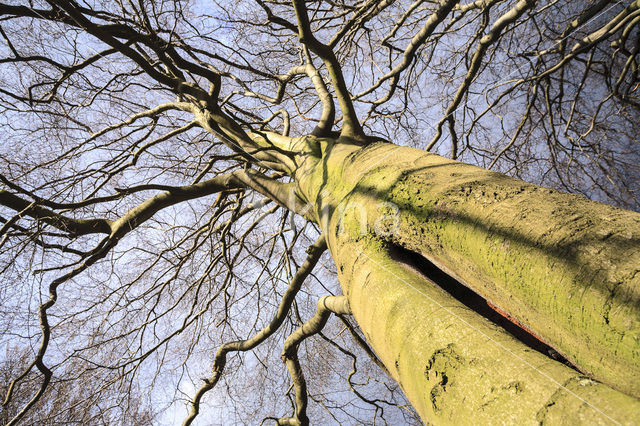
x=351, y=126
x=73, y=226
x=145, y=210
x=220, y=360
x=326, y=306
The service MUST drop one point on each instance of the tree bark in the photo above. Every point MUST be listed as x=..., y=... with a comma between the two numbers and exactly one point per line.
x=565, y=267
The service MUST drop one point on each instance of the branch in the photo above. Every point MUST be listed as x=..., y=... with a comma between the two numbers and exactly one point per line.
x=233, y=136
x=359, y=18
x=328, y=108
x=314, y=252
x=283, y=194
x=628, y=14
x=487, y=40
x=150, y=113
x=325, y=124
x=145, y=210
x=98, y=253
x=410, y=51
x=106, y=35
x=286, y=121
x=326, y=306
x=351, y=126
x=477, y=4
x=74, y=227
x=582, y=19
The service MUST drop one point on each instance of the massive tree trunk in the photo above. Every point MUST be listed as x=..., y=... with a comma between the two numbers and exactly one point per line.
x=564, y=267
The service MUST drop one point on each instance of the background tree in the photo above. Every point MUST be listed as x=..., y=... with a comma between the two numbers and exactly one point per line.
x=69, y=400
x=161, y=163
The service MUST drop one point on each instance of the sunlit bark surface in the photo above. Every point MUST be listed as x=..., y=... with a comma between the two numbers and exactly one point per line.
x=545, y=257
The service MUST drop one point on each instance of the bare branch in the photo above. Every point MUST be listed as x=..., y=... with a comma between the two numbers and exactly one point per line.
x=326, y=306
x=351, y=125
x=314, y=252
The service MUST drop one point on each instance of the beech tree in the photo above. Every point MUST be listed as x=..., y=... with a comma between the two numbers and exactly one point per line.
x=175, y=171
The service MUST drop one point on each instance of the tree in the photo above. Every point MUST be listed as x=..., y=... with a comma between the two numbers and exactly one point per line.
x=138, y=134
x=70, y=401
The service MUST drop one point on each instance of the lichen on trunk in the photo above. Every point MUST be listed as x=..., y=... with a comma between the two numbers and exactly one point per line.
x=563, y=266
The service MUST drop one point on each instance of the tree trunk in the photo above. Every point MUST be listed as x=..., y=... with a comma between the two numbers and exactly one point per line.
x=565, y=267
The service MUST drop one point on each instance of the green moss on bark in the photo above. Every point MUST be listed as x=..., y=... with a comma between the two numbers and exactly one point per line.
x=565, y=267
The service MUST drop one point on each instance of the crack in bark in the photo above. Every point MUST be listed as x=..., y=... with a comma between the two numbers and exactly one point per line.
x=473, y=300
